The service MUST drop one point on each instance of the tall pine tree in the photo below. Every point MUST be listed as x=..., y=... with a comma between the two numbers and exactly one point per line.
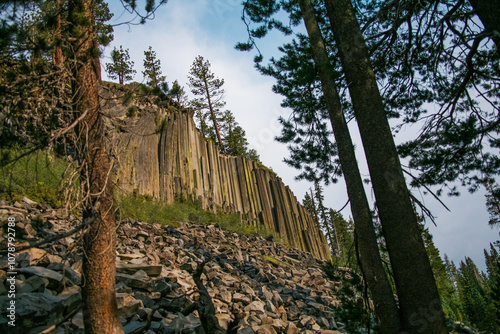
x=204, y=84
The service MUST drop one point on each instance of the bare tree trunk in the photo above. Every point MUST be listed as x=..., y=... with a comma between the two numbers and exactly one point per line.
x=316, y=217
x=419, y=301
x=212, y=114
x=100, y=310
x=371, y=263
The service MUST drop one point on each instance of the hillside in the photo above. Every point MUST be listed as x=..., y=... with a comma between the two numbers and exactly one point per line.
x=257, y=285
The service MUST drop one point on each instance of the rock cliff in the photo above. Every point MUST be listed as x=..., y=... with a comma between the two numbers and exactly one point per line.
x=160, y=152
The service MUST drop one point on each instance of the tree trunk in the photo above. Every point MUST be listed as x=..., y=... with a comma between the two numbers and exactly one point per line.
x=98, y=290
x=488, y=12
x=371, y=263
x=212, y=114
x=419, y=302
x=316, y=217
x=57, y=57
x=335, y=230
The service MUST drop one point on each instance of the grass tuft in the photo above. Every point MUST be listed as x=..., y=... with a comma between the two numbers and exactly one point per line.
x=146, y=209
x=36, y=176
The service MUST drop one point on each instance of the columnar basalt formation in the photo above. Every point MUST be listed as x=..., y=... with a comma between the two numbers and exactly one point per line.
x=161, y=153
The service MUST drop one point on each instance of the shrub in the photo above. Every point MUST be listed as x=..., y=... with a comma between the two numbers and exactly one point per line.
x=132, y=111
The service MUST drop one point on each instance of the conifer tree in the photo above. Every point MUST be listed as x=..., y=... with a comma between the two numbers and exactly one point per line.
x=252, y=155
x=206, y=130
x=323, y=217
x=235, y=141
x=122, y=67
x=473, y=297
x=100, y=310
x=493, y=202
x=204, y=84
x=493, y=284
x=234, y=138
x=178, y=93
x=393, y=199
x=344, y=230
x=152, y=69
x=447, y=291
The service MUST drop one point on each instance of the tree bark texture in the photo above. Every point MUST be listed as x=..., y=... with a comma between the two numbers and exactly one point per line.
x=371, y=264
x=57, y=56
x=100, y=309
x=419, y=302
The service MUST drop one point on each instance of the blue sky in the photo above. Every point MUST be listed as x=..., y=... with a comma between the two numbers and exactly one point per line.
x=181, y=30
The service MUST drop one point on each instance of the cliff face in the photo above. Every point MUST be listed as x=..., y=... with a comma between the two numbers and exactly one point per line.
x=161, y=153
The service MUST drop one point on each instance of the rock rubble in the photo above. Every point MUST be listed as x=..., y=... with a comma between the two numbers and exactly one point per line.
x=256, y=285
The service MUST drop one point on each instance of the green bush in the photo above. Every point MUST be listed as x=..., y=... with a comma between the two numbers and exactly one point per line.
x=132, y=111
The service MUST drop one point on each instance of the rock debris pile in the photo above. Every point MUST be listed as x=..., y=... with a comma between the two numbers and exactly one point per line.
x=256, y=285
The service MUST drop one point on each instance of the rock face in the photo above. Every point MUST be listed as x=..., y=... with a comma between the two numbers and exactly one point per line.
x=161, y=153
x=256, y=286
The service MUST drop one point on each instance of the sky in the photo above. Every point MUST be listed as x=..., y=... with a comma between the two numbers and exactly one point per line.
x=182, y=30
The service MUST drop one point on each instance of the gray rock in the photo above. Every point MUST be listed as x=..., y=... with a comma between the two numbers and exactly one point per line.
x=256, y=306
x=127, y=305
x=33, y=310
x=72, y=297
x=140, y=280
x=127, y=268
x=245, y=330
x=270, y=307
x=292, y=329
x=238, y=297
x=54, y=277
x=293, y=313
x=134, y=327
x=74, y=277
x=32, y=284
x=78, y=320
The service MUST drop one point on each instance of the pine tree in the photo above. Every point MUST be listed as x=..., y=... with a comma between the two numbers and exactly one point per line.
x=178, y=93
x=99, y=244
x=447, y=291
x=493, y=284
x=344, y=236
x=323, y=218
x=416, y=287
x=308, y=204
x=152, y=69
x=392, y=196
x=206, y=130
x=235, y=141
x=122, y=67
x=209, y=89
x=233, y=136
x=252, y=155
x=473, y=295
x=321, y=68
x=493, y=202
